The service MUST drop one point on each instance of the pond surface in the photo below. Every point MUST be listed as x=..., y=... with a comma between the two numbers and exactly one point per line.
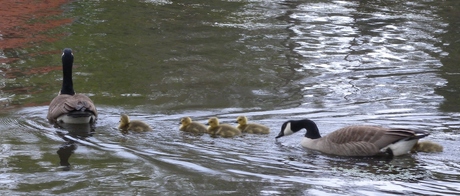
x=390, y=63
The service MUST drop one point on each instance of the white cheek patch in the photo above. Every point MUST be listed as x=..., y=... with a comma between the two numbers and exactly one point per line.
x=287, y=130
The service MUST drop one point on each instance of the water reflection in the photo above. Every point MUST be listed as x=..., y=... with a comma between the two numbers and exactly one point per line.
x=22, y=30
x=450, y=43
x=338, y=62
x=72, y=134
x=64, y=153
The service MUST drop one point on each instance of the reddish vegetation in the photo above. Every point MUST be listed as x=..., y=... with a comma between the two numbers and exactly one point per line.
x=24, y=22
x=15, y=72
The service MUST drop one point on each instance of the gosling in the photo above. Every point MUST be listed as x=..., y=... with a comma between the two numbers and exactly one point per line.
x=223, y=130
x=246, y=127
x=133, y=125
x=427, y=146
x=187, y=125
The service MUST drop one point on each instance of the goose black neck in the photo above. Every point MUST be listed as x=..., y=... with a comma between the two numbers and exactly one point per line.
x=67, y=63
x=310, y=126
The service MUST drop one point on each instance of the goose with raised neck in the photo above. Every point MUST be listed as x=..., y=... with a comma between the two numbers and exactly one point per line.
x=68, y=106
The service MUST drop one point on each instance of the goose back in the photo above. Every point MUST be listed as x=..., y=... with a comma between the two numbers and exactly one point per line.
x=65, y=104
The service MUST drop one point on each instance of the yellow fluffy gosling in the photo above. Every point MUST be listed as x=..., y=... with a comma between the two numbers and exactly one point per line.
x=223, y=130
x=427, y=146
x=246, y=127
x=133, y=125
x=187, y=125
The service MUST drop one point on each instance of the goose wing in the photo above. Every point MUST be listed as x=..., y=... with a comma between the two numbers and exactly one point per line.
x=365, y=140
x=64, y=104
x=356, y=134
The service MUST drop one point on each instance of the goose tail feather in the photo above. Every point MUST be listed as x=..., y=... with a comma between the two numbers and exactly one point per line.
x=408, y=133
x=79, y=114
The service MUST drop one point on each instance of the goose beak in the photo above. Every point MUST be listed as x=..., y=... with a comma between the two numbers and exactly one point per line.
x=279, y=135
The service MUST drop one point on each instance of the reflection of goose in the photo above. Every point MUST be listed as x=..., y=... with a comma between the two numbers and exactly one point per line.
x=75, y=134
x=133, y=125
x=224, y=130
x=64, y=152
x=69, y=107
x=355, y=140
x=427, y=146
x=188, y=125
x=246, y=127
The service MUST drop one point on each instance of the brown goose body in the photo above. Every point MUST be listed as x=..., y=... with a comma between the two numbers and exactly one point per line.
x=69, y=107
x=427, y=146
x=133, y=125
x=246, y=127
x=223, y=130
x=76, y=105
x=355, y=140
x=187, y=125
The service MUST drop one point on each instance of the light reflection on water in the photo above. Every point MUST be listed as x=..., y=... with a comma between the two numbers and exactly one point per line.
x=337, y=62
x=172, y=161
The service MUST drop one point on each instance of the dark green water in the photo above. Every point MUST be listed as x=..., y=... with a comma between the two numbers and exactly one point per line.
x=390, y=63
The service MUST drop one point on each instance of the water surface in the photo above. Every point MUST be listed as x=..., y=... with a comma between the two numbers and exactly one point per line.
x=338, y=63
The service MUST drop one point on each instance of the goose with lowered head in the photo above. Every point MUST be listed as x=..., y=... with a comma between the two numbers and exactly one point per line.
x=67, y=106
x=359, y=140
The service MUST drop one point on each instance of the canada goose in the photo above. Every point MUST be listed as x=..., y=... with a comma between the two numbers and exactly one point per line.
x=133, y=125
x=427, y=146
x=69, y=107
x=251, y=127
x=224, y=130
x=188, y=125
x=355, y=140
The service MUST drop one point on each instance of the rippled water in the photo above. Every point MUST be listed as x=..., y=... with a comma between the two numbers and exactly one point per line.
x=390, y=63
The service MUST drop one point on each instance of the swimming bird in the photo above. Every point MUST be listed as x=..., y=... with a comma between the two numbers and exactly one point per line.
x=246, y=127
x=427, y=146
x=133, y=125
x=187, y=125
x=67, y=106
x=224, y=130
x=355, y=140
